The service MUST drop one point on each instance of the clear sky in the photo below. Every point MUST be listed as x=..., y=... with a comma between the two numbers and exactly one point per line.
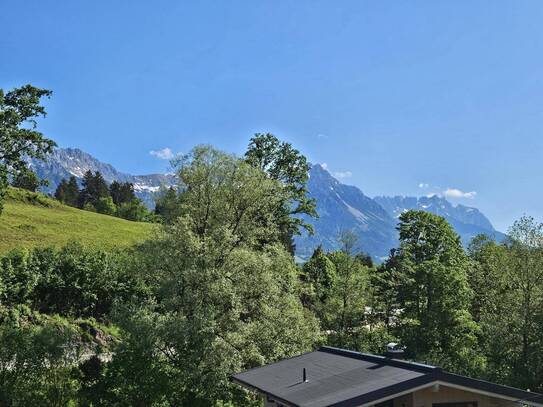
x=396, y=97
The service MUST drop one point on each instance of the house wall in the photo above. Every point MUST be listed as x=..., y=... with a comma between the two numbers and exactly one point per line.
x=441, y=394
x=426, y=397
x=404, y=401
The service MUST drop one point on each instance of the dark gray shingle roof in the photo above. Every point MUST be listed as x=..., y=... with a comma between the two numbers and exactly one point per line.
x=341, y=378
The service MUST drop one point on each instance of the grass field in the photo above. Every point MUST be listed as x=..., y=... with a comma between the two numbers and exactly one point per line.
x=31, y=220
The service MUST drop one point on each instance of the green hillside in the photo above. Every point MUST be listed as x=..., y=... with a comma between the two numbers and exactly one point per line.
x=31, y=219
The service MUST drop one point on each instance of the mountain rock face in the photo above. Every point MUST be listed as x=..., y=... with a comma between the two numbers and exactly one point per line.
x=343, y=207
x=467, y=221
x=65, y=162
x=340, y=207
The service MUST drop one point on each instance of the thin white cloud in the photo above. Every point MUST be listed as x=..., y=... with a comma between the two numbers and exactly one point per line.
x=164, y=154
x=343, y=174
x=457, y=193
x=424, y=185
x=322, y=136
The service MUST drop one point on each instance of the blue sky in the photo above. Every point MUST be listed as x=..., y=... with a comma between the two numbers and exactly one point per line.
x=395, y=97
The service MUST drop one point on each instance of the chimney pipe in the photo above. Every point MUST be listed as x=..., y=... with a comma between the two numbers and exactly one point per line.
x=304, y=375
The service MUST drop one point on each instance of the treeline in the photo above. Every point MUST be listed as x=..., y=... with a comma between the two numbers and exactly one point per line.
x=117, y=199
x=477, y=312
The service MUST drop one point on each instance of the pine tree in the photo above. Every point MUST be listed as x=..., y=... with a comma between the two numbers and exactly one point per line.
x=115, y=192
x=122, y=193
x=94, y=188
x=72, y=192
x=61, y=191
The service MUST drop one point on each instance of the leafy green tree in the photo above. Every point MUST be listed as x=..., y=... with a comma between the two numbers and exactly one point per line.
x=19, y=138
x=225, y=301
x=508, y=285
x=18, y=278
x=37, y=363
x=320, y=273
x=285, y=164
x=344, y=311
x=28, y=180
x=434, y=294
x=73, y=281
x=386, y=281
x=134, y=210
x=167, y=205
x=106, y=206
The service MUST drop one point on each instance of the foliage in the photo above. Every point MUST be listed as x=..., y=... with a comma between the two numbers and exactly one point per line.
x=320, y=274
x=74, y=281
x=226, y=298
x=430, y=281
x=344, y=311
x=118, y=199
x=167, y=205
x=67, y=192
x=508, y=303
x=121, y=192
x=19, y=109
x=281, y=162
x=94, y=189
x=338, y=290
x=28, y=180
x=134, y=210
x=106, y=206
x=37, y=364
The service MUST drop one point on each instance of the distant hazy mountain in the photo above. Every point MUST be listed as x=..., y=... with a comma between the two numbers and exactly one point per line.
x=344, y=207
x=341, y=207
x=65, y=162
x=467, y=221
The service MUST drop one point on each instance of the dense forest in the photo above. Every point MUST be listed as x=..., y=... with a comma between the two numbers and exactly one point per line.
x=217, y=290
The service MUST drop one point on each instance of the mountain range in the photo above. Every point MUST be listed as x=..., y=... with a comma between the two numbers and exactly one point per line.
x=340, y=207
x=65, y=162
x=343, y=207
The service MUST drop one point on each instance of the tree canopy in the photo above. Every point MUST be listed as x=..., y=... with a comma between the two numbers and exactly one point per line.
x=19, y=137
x=281, y=162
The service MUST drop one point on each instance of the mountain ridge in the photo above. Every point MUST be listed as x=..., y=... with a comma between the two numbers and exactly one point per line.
x=340, y=206
x=65, y=162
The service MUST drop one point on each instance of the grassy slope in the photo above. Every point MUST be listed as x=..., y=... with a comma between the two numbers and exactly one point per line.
x=31, y=220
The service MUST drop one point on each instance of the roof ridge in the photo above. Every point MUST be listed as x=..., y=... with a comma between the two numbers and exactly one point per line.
x=421, y=367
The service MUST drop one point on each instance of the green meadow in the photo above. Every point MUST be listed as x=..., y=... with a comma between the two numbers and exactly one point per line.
x=32, y=220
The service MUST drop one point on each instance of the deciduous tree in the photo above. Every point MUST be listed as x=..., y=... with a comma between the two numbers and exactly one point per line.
x=19, y=109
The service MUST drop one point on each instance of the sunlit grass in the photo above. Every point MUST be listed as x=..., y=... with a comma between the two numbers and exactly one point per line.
x=32, y=220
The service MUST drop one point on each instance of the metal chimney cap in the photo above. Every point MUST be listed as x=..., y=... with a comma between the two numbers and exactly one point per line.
x=393, y=346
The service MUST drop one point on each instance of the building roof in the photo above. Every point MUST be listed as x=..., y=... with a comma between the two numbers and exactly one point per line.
x=342, y=378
